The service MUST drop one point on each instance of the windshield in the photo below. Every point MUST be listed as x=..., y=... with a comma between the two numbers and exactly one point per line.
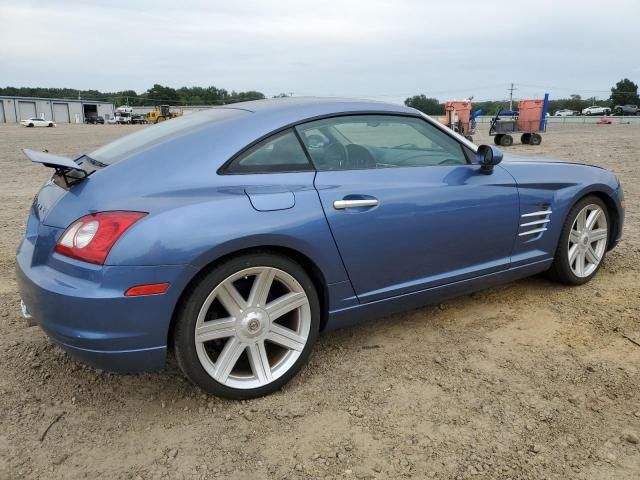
x=126, y=146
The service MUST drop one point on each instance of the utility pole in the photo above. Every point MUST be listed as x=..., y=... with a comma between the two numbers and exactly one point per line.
x=511, y=89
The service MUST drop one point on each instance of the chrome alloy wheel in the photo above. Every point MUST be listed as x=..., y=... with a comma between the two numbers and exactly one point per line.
x=587, y=240
x=252, y=327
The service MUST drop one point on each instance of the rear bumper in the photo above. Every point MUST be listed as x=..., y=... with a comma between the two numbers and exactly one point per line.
x=83, y=309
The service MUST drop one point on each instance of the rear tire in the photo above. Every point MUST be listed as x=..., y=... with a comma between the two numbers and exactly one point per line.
x=497, y=139
x=236, y=352
x=536, y=139
x=525, y=138
x=575, y=243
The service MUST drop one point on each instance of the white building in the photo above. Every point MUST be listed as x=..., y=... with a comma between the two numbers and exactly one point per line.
x=14, y=109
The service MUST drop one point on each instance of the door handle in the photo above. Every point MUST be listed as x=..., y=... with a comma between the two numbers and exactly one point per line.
x=365, y=202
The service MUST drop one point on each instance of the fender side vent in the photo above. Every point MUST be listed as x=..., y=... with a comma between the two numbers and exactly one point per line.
x=534, y=222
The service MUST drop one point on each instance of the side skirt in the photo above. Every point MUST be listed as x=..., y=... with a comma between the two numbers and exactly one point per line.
x=352, y=315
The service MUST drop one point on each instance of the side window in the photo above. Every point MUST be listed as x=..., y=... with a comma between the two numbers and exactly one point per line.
x=279, y=153
x=378, y=141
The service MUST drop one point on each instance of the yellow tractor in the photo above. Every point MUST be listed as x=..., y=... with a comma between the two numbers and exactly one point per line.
x=162, y=113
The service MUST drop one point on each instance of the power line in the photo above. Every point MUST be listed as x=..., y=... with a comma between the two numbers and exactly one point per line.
x=511, y=89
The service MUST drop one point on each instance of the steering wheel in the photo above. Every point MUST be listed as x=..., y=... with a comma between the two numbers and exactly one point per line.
x=358, y=157
x=335, y=156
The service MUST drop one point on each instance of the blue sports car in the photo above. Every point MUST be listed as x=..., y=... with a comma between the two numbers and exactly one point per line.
x=234, y=236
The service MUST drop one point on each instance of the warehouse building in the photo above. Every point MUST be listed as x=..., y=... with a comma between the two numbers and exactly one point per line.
x=14, y=109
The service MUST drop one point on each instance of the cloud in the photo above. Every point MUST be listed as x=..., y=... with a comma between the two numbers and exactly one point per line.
x=375, y=48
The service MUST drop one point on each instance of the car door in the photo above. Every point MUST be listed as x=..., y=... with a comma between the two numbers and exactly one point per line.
x=407, y=209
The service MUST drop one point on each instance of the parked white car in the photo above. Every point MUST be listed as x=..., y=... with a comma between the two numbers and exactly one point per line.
x=37, y=122
x=565, y=113
x=596, y=110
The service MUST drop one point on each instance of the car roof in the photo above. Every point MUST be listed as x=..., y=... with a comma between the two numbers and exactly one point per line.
x=268, y=115
x=295, y=109
x=313, y=104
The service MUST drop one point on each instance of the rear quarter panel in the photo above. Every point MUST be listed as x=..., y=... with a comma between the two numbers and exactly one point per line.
x=197, y=226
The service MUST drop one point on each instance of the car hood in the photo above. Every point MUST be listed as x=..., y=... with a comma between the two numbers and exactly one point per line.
x=549, y=173
x=522, y=159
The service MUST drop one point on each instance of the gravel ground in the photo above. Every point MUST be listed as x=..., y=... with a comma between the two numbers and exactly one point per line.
x=529, y=380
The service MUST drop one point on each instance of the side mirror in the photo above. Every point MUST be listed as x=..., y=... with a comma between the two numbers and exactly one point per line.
x=487, y=157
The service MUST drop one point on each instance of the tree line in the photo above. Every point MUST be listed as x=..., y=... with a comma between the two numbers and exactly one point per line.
x=156, y=95
x=625, y=92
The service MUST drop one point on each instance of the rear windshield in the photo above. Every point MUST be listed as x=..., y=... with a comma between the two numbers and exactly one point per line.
x=125, y=146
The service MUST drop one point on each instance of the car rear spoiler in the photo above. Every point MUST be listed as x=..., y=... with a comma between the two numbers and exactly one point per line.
x=68, y=170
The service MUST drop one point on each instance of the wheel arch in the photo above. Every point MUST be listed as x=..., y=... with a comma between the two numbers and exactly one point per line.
x=310, y=267
x=614, y=215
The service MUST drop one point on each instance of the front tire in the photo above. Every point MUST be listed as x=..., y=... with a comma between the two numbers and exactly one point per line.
x=583, y=242
x=506, y=140
x=248, y=326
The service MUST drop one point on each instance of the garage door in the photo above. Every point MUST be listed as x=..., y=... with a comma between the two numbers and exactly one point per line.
x=2, y=117
x=61, y=112
x=26, y=110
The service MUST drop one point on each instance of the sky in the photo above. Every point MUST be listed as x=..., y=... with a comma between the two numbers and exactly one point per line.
x=385, y=50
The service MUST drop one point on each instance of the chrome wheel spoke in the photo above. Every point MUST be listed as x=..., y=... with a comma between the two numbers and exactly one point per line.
x=285, y=337
x=285, y=304
x=231, y=299
x=591, y=255
x=581, y=220
x=574, y=236
x=261, y=287
x=214, y=329
x=597, y=234
x=580, y=264
x=573, y=253
x=259, y=362
x=228, y=359
x=592, y=218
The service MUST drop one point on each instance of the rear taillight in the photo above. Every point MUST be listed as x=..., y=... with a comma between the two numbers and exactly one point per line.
x=91, y=237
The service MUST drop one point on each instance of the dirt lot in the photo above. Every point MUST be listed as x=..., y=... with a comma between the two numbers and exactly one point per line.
x=530, y=380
